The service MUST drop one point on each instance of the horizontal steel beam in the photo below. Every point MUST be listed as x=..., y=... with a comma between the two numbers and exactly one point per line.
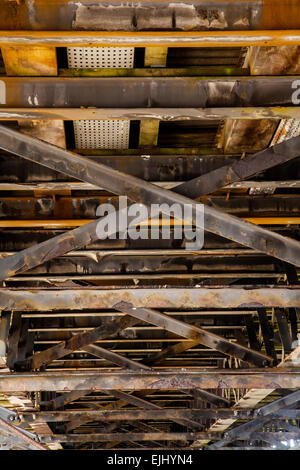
x=48, y=299
x=268, y=186
x=129, y=436
x=146, y=39
x=152, y=415
x=134, y=414
x=162, y=380
x=160, y=114
x=143, y=92
x=44, y=207
x=138, y=15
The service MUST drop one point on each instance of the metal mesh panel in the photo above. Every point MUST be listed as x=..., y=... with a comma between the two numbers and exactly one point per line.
x=102, y=134
x=100, y=57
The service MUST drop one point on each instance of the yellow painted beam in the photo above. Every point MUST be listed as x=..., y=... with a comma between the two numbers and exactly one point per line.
x=59, y=223
x=29, y=60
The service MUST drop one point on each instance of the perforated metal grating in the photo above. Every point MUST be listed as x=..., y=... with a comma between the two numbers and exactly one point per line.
x=102, y=134
x=100, y=57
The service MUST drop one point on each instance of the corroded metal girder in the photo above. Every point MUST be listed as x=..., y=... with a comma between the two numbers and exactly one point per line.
x=162, y=414
x=141, y=380
x=84, y=207
x=162, y=436
x=129, y=436
x=164, y=169
x=115, y=358
x=84, y=340
x=146, y=92
x=137, y=190
x=108, y=330
x=239, y=169
x=142, y=15
x=194, y=333
x=50, y=299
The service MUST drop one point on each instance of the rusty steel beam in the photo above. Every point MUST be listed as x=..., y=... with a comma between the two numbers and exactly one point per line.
x=292, y=278
x=162, y=414
x=51, y=299
x=115, y=358
x=65, y=399
x=144, y=414
x=108, y=330
x=129, y=436
x=149, y=39
x=240, y=169
x=170, y=351
x=192, y=332
x=163, y=436
x=147, y=92
x=211, y=398
x=70, y=209
x=137, y=190
x=67, y=15
x=141, y=380
x=123, y=400
x=122, y=396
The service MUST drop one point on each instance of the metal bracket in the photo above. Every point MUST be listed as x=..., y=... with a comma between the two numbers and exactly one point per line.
x=8, y=415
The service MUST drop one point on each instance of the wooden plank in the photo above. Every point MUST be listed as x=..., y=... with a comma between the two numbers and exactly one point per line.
x=29, y=61
x=155, y=56
x=49, y=130
x=245, y=135
x=148, y=133
x=270, y=60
